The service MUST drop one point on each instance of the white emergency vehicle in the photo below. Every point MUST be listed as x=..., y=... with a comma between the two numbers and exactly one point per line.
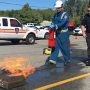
x=11, y=29
x=41, y=32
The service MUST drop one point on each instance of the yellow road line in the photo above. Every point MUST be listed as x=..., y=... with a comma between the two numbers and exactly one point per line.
x=63, y=82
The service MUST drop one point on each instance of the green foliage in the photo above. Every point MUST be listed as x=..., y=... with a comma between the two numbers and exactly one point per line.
x=26, y=14
x=76, y=9
x=47, y=14
x=76, y=20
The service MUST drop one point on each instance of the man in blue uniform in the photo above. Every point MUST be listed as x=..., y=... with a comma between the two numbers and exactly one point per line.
x=60, y=25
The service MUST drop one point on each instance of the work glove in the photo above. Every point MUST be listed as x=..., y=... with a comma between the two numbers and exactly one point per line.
x=52, y=25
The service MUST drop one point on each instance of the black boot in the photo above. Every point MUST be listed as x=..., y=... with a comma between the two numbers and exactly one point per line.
x=67, y=63
x=87, y=62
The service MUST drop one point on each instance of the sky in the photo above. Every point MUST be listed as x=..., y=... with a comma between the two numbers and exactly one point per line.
x=18, y=4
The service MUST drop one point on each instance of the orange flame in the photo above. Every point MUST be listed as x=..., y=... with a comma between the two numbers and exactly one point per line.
x=16, y=66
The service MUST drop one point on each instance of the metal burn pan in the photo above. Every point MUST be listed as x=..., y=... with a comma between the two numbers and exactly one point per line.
x=9, y=82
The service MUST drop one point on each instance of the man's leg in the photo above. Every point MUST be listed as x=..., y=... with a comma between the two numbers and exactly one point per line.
x=88, y=45
x=66, y=52
x=54, y=54
x=87, y=61
x=65, y=46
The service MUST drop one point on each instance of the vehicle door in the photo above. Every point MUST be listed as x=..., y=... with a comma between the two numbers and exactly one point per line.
x=17, y=29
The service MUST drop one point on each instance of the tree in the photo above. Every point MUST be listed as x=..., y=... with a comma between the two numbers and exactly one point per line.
x=26, y=14
x=76, y=9
x=47, y=14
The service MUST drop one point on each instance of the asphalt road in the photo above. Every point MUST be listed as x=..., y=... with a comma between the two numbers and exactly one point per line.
x=50, y=75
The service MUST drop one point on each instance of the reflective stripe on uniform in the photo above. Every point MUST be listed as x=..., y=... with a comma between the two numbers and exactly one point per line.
x=65, y=30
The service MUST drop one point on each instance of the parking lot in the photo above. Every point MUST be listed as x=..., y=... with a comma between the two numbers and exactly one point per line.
x=73, y=77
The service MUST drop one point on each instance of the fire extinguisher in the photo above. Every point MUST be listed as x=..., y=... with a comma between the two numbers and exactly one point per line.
x=51, y=43
x=51, y=39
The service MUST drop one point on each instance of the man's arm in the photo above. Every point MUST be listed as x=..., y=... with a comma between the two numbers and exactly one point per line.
x=83, y=31
x=83, y=24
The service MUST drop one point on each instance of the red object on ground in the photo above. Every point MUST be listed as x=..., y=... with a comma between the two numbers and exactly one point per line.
x=51, y=39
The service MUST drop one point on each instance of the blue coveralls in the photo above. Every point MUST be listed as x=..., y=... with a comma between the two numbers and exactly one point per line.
x=62, y=38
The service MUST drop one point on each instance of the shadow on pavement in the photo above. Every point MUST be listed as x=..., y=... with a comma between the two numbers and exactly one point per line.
x=47, y=75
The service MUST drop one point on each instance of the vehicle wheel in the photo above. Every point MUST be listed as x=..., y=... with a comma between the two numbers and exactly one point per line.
x=46, y=35
x=30, y=39
x=16, y=41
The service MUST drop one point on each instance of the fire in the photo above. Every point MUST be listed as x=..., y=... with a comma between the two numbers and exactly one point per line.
x=16, y=66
